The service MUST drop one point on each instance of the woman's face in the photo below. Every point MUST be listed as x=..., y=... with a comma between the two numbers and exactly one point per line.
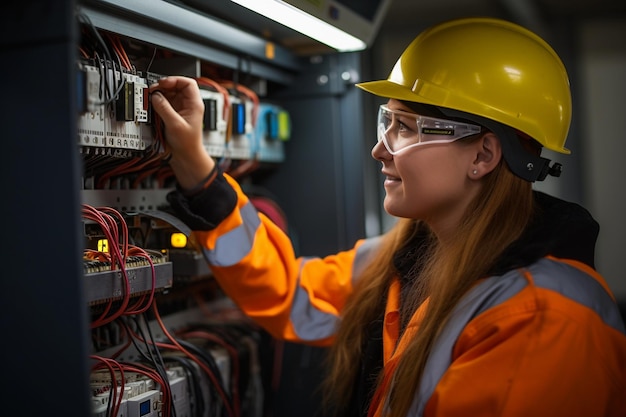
x=428, y=182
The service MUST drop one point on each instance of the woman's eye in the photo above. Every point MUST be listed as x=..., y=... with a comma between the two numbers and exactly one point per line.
x=402, y=127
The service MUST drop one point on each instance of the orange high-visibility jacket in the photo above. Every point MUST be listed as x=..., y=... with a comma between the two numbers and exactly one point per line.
x=545, y=339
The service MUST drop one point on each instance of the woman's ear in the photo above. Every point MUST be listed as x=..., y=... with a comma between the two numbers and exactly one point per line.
x=488, y=153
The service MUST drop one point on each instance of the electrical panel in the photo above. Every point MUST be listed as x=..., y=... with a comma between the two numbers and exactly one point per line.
x=155, y=349
x=117, y=261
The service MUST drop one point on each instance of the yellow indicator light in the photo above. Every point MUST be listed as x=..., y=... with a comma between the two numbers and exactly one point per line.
x=178, y=240
x=103, y=245
x=269, y=50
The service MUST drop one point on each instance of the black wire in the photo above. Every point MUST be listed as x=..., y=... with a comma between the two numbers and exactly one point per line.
x=232, y=334
x=139, y=350
x=236, y=335
x=84, y=19
x=122, y=82
x=149, y=357
x=112, y=90
x=150, y=63
x=110, y=402
x=208, y=359
x=213, y=399
x=160, y=364
x=144, y=356
x=197, y=401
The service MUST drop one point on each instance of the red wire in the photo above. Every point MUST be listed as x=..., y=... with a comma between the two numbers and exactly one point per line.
x=122, y=222
x=201, y=364
x=115, y=398
x=155, y=376
x=119, y=51
x=136, y=309
x=118, y=170
x=234, y=358
x=110, y=228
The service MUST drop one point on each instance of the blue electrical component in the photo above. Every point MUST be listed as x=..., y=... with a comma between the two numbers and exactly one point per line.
x=239, y=118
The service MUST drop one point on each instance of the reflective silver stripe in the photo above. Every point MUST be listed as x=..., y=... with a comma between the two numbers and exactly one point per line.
x=485, y=295
x=233, y=246
x=558, y=276
x=553, y=275
x=310, y=323
x=363, y=253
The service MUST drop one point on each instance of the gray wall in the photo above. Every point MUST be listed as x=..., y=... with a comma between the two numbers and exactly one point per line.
x=603, y=89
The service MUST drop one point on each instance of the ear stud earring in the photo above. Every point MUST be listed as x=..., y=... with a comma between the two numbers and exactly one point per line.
x=475, y=172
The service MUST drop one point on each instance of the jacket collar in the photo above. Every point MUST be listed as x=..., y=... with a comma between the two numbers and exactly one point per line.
x=559, y=228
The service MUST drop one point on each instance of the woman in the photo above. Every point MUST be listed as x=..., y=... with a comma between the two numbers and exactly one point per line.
x=483, y=299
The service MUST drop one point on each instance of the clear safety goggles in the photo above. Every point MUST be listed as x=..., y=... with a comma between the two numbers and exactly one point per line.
x=401, y=130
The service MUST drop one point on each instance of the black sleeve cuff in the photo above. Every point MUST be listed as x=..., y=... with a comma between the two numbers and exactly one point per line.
x=204, y=211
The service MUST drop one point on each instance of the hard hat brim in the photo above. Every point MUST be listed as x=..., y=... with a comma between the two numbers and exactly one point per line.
x=389, y=89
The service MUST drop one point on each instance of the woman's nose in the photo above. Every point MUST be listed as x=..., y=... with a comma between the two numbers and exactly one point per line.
x=380, y=152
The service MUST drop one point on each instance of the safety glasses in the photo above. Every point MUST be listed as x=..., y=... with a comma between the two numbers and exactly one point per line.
x=400, y=130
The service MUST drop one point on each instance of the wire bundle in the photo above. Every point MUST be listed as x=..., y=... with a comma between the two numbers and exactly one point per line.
x=94, y=47
x=107, y=165
x=118, y=374
x=191, y=348
x=117, y=255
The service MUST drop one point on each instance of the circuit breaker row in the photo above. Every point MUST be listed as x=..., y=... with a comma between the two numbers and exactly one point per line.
x=233, y=127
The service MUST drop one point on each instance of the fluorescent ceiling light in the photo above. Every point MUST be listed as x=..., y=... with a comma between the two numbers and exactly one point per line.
x=298, y=20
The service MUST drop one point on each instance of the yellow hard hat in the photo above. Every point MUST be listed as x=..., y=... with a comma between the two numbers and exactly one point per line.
x=490, y=68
